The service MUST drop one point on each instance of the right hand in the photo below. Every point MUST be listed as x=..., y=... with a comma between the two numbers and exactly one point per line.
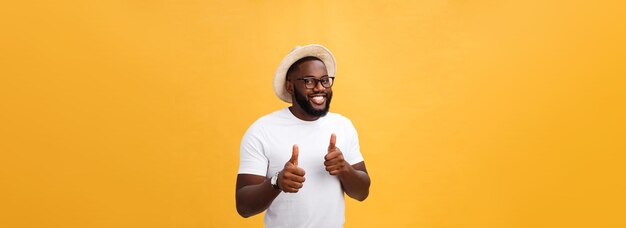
x=292, y=176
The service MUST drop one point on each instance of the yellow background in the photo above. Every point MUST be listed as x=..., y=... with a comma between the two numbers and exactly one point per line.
x=470, y=113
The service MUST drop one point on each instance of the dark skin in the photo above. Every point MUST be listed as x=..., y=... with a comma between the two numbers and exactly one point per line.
x=254, y=193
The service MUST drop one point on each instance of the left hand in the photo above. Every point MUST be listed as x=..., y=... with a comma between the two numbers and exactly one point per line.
x=334, y=162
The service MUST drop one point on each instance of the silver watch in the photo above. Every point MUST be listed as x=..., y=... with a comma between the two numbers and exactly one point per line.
x=274, y=181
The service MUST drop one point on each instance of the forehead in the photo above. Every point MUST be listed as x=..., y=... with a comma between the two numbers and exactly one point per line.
x=313, y=68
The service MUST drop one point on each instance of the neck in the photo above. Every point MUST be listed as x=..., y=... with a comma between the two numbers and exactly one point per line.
x=298, y=112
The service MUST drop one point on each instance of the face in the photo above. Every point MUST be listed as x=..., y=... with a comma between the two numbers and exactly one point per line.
x=314, y=102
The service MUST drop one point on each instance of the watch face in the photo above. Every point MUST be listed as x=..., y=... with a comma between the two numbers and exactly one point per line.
x=274, y=180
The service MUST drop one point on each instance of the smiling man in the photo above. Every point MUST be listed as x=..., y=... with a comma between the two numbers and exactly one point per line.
x=297, y=162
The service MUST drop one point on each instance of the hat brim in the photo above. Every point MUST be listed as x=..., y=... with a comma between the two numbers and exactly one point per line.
x=299, y=52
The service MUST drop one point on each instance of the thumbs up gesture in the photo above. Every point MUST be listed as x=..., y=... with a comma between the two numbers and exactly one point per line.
x=292, y=176
x=334, y=162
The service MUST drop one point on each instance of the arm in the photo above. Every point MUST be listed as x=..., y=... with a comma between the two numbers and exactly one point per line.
x=254, y=194
x=354, y=178
x=356, y=182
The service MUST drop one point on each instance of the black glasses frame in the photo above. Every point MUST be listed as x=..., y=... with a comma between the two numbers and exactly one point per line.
x=309, y=86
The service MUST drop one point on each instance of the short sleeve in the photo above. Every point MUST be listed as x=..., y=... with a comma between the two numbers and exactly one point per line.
x=252, y=158
x=353, y=155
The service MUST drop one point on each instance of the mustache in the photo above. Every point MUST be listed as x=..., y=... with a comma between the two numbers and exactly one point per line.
x=319, y=94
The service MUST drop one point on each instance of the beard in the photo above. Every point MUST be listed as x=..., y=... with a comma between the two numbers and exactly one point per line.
x=305, y=104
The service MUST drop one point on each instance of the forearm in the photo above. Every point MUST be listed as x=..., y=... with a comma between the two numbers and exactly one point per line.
x=254, y=199
x=356, y=183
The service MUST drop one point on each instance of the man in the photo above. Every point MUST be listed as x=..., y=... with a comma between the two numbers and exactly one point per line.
x=297, y=162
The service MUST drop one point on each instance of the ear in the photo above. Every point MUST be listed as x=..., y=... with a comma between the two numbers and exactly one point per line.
x=289, y=86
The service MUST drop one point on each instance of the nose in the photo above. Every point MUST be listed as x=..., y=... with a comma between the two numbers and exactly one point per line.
x=318, y=86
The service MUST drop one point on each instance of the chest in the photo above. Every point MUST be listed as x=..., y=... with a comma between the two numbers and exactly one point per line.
x=312, y=143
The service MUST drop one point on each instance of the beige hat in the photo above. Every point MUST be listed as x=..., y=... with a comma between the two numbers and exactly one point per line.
x=296, y=54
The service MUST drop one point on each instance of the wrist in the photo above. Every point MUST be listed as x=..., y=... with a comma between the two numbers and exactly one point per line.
x=274, y=181
x=348, y=170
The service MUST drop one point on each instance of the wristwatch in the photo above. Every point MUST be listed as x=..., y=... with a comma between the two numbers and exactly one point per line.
x=274, y=181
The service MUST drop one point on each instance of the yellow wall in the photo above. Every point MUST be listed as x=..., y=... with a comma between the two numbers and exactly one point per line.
x=470, y=113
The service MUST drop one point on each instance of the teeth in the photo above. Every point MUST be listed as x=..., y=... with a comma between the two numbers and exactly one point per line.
x=318, y=99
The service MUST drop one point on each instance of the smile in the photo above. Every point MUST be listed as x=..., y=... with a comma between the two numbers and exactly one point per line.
x=318, y=99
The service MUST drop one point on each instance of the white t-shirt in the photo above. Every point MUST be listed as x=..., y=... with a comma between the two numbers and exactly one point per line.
x=267, y=146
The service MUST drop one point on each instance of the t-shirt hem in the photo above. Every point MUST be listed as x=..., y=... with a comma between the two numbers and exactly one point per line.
x=356, y=161
x=252, y=172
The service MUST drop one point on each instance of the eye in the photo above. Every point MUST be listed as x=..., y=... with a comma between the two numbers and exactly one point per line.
x=308, y=81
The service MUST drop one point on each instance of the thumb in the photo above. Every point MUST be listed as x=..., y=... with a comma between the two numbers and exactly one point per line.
x=294, y=155
x=333, y=140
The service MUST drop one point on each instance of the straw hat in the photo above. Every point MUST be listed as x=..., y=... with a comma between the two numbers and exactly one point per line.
x=296, y=54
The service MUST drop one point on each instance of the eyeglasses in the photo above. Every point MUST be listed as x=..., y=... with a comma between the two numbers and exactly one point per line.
x=311, y=82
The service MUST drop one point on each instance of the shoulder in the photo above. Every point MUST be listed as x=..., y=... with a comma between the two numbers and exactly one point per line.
x=268, y=120
x=271, y=118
